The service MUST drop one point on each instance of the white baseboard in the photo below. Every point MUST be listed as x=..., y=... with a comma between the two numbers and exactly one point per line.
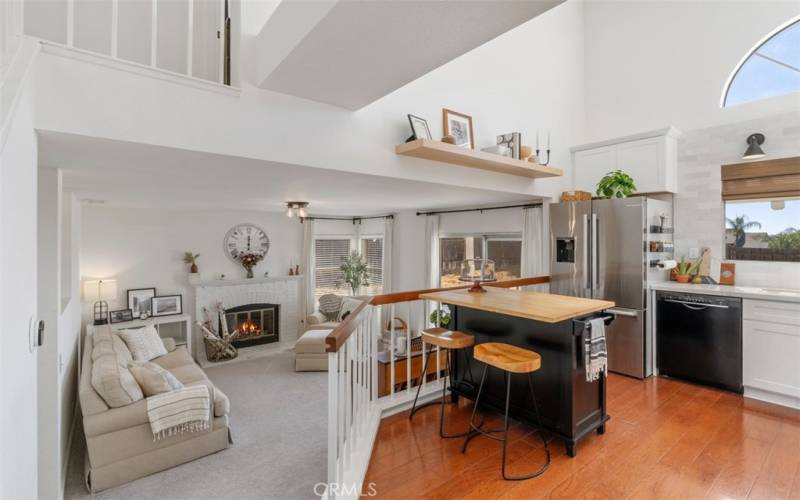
x=772, y=397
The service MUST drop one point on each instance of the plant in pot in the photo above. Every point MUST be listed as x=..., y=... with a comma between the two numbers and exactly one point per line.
x=616, y=184
x=684, y=270
x=441, y=317
x=354, y=269
x=191, y=258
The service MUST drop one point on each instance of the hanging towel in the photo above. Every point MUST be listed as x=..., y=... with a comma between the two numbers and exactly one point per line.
x=594, y=350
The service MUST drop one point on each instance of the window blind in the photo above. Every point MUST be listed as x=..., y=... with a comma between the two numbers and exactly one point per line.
x=328, y=257
x=761, y=179
x=372, y=251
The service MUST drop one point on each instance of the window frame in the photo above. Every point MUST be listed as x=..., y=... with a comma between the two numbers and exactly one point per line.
x=337, y=237
x=374, y=236
x=732, y=77
x=485, y=238
x=726, y=254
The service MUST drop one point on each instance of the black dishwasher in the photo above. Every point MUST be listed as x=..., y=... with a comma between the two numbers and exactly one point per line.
x=699, y=338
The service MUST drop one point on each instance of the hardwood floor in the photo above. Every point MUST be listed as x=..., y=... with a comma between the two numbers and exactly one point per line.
x=665, y=439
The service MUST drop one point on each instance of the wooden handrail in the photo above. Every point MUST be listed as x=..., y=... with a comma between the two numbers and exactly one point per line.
x=337, y=337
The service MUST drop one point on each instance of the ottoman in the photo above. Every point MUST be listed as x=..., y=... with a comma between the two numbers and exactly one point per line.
x=309, y=352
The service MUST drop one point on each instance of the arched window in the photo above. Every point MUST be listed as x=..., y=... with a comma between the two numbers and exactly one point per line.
x=772, y=68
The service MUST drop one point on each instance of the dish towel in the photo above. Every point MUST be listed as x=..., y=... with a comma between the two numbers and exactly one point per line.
x=594, y=350
x=179, y=411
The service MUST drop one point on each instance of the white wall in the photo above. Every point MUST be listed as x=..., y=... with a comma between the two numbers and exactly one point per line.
x=527, y=79
x=699, y=211
x=144, y=248
x=18, y=243
x=657, y=63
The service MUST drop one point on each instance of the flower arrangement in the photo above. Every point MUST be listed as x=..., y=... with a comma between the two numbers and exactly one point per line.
x=249, y=261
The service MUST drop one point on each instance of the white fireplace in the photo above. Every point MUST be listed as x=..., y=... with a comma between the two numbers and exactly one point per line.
x=285, y=291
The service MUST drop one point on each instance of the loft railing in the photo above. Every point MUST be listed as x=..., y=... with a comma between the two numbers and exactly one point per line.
x=365, y=381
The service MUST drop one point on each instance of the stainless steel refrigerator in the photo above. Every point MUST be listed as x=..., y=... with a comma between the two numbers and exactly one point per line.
x=597, y=250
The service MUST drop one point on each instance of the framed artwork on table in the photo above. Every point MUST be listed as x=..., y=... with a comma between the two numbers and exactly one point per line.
x=167, y=305
x=459, y=126
x=140, y=301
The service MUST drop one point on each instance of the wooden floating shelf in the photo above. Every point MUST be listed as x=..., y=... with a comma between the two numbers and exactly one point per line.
x=449, y=153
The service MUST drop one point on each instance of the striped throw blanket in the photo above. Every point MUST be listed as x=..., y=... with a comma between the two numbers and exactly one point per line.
x=594, y=350
x=182, y=410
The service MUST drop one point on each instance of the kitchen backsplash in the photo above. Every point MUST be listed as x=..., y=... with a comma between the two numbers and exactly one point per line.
x=699, y=212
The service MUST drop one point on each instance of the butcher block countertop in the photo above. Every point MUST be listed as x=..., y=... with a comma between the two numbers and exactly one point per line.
x=545, y=307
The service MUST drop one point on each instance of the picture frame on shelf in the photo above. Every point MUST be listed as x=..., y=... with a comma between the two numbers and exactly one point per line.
x=120, y=316
x=140, y=300
x=459, y=126
x=167, y=305
x=419, y=128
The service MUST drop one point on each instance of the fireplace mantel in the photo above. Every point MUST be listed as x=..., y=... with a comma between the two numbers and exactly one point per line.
x=245, y=281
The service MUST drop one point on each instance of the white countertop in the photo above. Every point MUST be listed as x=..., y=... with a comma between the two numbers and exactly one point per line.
x=746, y=292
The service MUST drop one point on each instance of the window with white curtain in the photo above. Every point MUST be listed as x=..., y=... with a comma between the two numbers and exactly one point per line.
x=504, y=249
x=372, y=251
x=329, y=253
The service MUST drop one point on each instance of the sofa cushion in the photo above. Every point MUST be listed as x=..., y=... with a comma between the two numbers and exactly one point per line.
x=152, y=378
x=349, y=304
x=144, y=343
x=329, y=305
x=114, y=383
x=111, y=344
x=313, y=341
x=189, y=373
x=174, y=359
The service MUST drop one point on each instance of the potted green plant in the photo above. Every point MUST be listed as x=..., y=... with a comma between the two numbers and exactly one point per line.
x=354, y=269
x=684, y=270
x=191, y=258
x=616, y=184
x=441, y=317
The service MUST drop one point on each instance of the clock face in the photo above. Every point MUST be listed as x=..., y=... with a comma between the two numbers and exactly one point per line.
x=246, y=238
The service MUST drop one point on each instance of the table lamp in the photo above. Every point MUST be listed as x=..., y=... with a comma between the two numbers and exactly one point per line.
x=477, y=271
x=97, y=290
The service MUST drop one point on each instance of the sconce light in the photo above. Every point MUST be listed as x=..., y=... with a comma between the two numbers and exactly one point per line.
x=754, y=151
x=296, y=208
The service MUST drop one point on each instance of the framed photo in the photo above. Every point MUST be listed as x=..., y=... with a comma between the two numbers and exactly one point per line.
x=419, y=128
x=167, y=305
x=140, y=300
x=459, y=126
x=120, y=316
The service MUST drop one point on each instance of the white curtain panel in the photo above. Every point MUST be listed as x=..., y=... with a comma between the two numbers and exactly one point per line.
x=533, y=246
x=388, y=251
x=432, y=251
x=309, y=281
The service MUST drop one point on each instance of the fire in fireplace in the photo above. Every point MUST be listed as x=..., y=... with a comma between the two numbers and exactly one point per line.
x=255, y=323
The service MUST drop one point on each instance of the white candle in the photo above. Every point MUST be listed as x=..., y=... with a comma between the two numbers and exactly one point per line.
x=548, y=138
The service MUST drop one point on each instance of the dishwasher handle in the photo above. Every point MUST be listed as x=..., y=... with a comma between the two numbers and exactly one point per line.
x=696, y=306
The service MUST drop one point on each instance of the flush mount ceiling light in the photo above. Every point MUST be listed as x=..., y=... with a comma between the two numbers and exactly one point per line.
x=296, y=208
x=754, y=151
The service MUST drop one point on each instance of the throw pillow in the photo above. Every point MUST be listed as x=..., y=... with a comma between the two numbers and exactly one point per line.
x=152, y=378
x=349, y=304
x=144, y=343
x=114, y=383
x=330, y=305
x=112, y=344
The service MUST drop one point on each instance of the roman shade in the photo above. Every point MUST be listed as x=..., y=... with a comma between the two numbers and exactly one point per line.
x=778, y=178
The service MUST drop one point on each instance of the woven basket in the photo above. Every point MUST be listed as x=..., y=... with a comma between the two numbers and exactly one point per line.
x=576, y=196
x=219, y=350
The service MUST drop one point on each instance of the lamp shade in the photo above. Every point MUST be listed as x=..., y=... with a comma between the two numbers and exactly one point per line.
x=754, y=151
x=94, y=290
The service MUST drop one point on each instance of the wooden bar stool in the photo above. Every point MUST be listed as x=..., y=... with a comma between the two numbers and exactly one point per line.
x=453, y=341
x=510, y=359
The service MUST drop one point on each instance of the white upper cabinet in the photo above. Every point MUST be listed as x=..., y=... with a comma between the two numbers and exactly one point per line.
x=650, y=158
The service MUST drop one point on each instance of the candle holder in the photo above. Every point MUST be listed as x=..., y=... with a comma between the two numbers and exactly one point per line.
x=543, y=163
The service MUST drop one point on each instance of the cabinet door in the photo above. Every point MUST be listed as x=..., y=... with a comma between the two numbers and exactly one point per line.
x=644, y=161
x=591, y=165
x=770, y=355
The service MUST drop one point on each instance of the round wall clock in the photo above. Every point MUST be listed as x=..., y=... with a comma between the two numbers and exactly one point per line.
x=245, y=238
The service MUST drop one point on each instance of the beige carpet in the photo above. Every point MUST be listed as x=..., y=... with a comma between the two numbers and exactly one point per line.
x=279, y=424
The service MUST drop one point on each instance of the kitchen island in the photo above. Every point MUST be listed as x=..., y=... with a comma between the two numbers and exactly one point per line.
x=554, y=326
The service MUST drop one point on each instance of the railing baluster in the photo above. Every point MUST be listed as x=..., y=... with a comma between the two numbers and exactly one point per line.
x=391, y=350
x=114, y=27
x=439, y=321
x=341, y=407
x=408, y=348
x=190, y=39
x=374, y=351
x=333, y=402
x=154, y=34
